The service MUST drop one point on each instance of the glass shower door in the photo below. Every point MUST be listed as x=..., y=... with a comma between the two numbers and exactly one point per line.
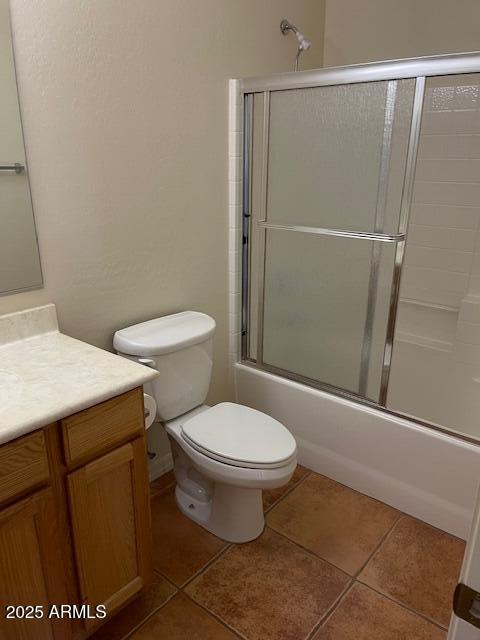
x=316, y=307
x=324, y=210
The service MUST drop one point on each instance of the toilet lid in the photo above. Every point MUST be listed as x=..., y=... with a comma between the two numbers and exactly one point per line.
x=239, y=434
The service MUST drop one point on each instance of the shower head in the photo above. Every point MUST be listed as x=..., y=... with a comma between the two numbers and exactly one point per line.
x=303, y=43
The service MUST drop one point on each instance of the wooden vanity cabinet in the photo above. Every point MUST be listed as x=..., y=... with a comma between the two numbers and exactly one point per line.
x=34, y=556
x=31, y=569
x=111, y=528
x=75, y=519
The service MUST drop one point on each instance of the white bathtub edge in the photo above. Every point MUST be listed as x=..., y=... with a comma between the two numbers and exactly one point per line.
x=428, y=474
x=404, y=497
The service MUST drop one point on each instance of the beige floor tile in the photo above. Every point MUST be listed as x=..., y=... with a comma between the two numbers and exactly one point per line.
x=181, y=619
x=269, y=589
x=418, y=565
x=154, y=596
x=180, y=546
x=335, y=522
x=273, y=495
x=365, y=615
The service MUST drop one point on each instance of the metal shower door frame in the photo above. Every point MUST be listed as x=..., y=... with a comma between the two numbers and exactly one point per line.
x=418, y=69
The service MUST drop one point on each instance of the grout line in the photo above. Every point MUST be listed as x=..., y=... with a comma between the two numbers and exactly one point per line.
x=401, y=516
x=442, y=204
x=444, y=227
x=439, y=269
x=452, y=133
x=180, y=590
x=440, y=227
x=330, y=611
x=353, y=579
x=432, y=526
x=151, y=613
x=365, y=495
x=447, y=158
x=288, y=491
x=172, y=584
x=430, y=181
x=381, y=543
x=207, y=565
x=228, y=545
x=309, y=552
x=433, y=248
x=217, y=617
x=404, y=606
x=390, y=597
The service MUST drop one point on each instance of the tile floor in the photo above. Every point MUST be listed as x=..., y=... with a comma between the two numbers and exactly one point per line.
x=332, y=564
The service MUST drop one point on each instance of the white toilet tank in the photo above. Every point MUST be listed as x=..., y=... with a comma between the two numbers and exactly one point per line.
x=179, y=346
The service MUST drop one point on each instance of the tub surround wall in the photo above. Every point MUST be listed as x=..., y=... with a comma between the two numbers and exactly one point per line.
x=235, y=171
x=442, y=260
x=437, y=346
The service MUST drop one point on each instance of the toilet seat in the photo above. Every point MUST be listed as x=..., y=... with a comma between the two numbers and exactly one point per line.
x=239, y=436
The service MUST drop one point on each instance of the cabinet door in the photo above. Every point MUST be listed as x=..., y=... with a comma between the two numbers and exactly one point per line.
x=31, y=569
x=110, y=513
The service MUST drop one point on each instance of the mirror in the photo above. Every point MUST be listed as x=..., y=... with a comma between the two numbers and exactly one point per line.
x=20, y=268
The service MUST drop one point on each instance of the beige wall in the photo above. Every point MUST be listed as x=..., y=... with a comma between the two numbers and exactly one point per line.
x=366, y=30
x=125, y=113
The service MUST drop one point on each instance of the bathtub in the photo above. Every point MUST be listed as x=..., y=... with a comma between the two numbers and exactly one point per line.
x=426, y=473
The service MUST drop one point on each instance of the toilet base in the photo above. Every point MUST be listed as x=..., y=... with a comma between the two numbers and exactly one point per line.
x=224, y=499
x=234, y=514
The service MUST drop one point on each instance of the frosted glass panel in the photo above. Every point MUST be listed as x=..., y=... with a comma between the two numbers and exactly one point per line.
x=435, y=373
x=327, y=154
x=315, y=304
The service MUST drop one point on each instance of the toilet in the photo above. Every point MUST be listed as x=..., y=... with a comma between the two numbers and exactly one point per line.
x=225, y=455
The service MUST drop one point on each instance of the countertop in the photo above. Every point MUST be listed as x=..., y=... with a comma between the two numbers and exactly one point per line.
x=46, y=375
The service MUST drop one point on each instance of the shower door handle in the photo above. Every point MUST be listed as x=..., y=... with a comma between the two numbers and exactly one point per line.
x=337, y=233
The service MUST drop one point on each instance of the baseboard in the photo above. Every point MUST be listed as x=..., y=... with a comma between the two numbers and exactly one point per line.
x=159, y=465
x=408, y=498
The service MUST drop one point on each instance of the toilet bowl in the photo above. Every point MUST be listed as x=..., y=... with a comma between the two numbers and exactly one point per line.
x=225, y=455
x=221, y=492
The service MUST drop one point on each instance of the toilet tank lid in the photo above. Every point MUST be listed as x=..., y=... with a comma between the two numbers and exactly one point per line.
x=164, y=335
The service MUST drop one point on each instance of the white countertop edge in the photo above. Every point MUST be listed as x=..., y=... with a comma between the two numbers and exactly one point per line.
x=58, y=375
x=10, y=433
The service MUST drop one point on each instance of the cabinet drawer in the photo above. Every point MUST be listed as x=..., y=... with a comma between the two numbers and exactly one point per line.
x=96, y=430
x=23, y=465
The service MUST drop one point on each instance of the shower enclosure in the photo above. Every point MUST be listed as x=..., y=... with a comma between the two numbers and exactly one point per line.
x=361, y=241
